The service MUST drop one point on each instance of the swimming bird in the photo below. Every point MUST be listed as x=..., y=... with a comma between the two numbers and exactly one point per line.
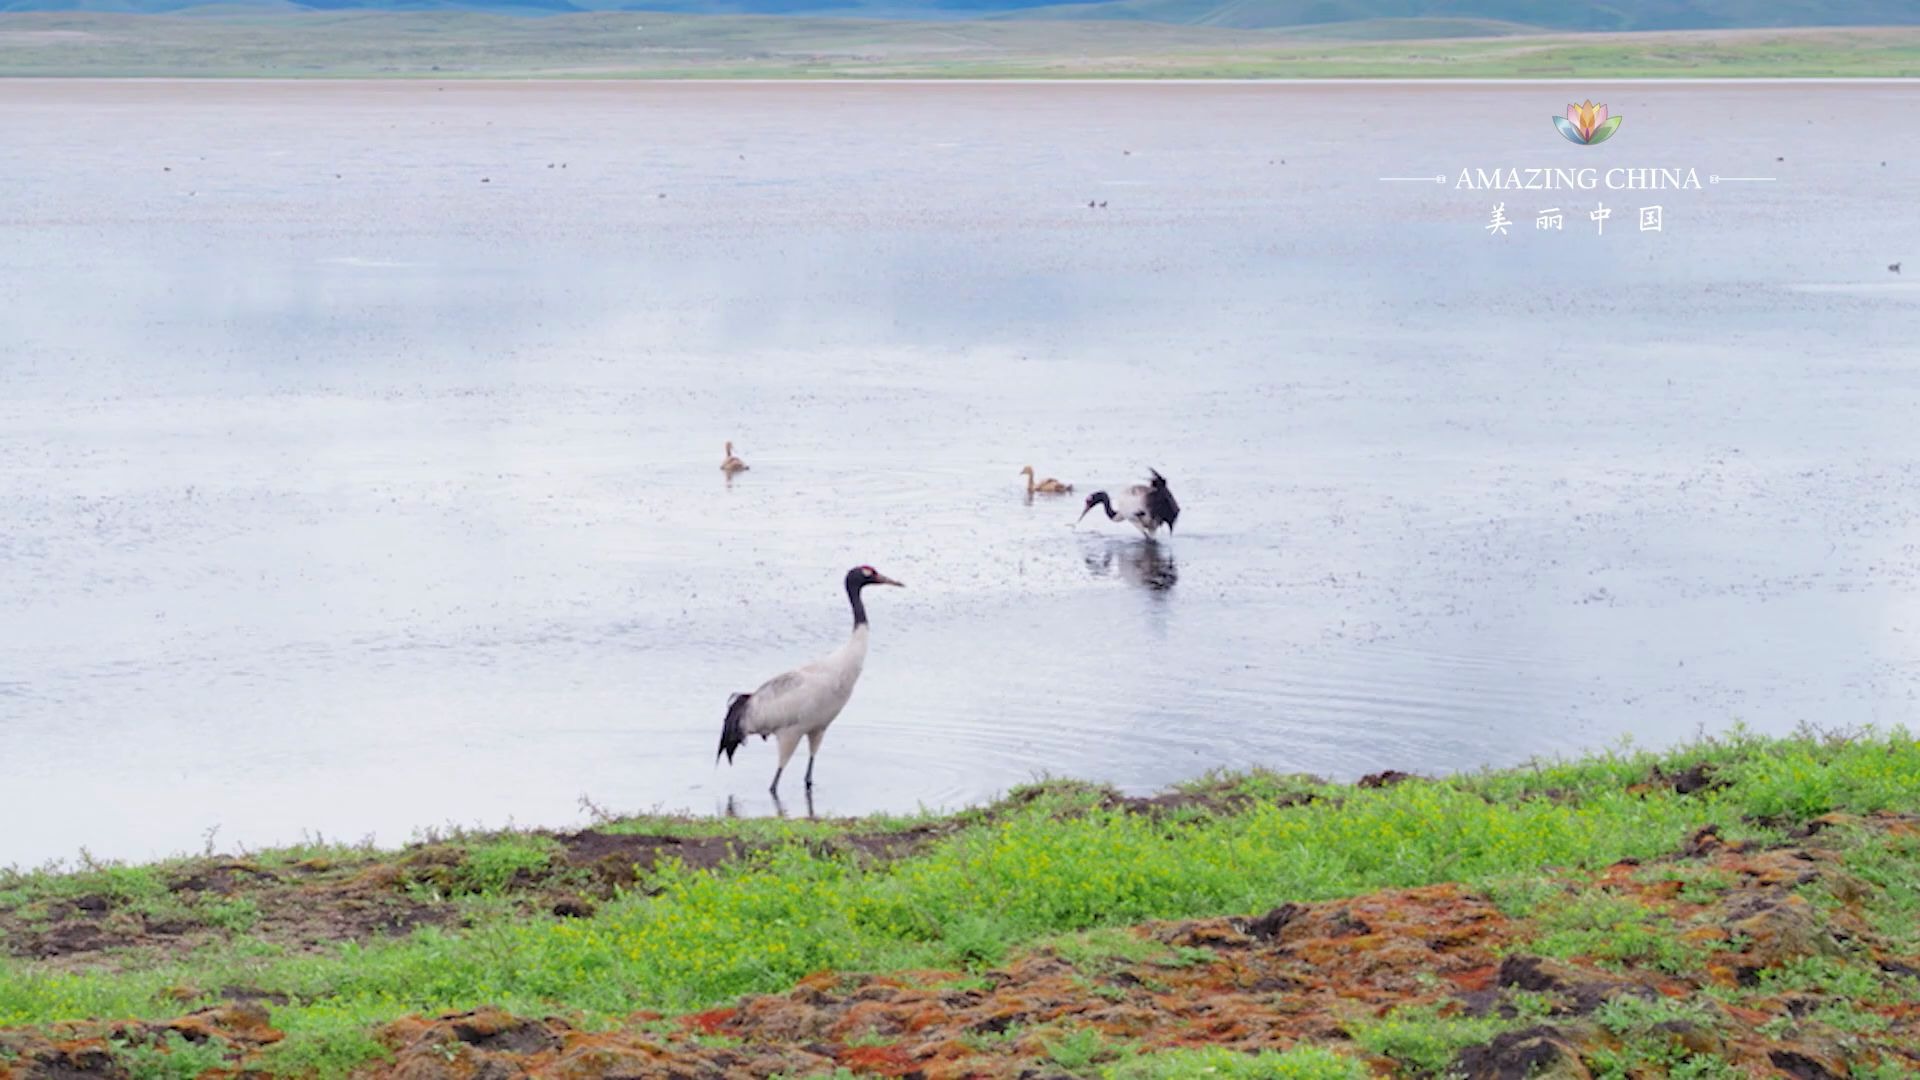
x=1049, y=486
x=1145, y=506
x=805, y=700
x=1895, y=267
x=731, y=464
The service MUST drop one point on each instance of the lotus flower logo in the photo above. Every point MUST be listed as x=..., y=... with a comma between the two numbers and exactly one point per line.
x=1587, y=124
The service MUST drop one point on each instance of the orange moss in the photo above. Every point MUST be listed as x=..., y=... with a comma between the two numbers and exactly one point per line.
x=878, y=1060
x=711, y=1021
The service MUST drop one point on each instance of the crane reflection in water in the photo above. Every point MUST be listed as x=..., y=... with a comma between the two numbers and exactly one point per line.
x=1145, y=564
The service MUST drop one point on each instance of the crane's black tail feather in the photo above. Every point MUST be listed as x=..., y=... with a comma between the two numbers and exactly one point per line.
x=1160, y=502
x=732, y=732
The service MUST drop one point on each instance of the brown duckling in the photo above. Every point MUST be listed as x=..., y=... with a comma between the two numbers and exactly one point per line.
x=1049, y=486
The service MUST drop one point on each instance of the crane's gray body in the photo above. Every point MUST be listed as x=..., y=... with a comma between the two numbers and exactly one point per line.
x=801, y=703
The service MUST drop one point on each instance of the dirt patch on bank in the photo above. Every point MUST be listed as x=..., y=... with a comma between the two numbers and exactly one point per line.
x=304, y=906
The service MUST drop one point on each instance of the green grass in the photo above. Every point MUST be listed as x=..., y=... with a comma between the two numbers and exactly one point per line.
x=1035, y=871
x=1080, y=1051
x=1651, y=1043
x=1617, y=932
x=1305, y=1063
x=1698, y=885
x=1827, y=975
x=1098, y=951
x=116, y=884
x=170, y=1058
x=1424, y=1039
x=1628, y=1015
x=778, y=830
x=1889, y=875
x=485, y=866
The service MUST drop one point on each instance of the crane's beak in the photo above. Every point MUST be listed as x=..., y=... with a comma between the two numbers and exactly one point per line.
x=882, y=579
x=1088, y=509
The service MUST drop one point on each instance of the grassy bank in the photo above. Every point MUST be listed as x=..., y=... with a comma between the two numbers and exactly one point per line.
x=453, y=45
x=1713, y=910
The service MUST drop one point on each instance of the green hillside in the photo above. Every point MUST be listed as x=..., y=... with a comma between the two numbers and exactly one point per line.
x=1416, y=18
x=1448, y=17
x=462, y=44
x=1408, y=30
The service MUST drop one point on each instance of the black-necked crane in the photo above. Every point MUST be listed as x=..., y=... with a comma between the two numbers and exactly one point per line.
x=802, y=702
x=731, y=464
x=1144, y=506
x=1049, y=486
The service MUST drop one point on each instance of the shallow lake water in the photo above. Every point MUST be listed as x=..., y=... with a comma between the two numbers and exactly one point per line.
x=359, y=443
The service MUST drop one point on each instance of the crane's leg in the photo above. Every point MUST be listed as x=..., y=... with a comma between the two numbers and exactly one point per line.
x=789, y=742
x=813, y=751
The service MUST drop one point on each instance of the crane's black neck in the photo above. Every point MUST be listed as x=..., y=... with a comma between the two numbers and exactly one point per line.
x=1100, y=498
x=854, y=585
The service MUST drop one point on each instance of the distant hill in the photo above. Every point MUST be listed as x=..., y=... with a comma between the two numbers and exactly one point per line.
x=262, y=39
x=1346, y=18
x=1454, y=16
x=257, y=7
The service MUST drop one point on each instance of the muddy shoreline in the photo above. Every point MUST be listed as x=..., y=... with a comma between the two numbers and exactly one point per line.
x=357, y=895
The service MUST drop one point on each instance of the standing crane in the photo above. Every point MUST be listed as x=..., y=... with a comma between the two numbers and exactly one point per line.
x=805, y=700
x=731, y=464
x=1144, y=506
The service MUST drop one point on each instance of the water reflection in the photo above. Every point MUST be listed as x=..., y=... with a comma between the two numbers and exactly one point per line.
x=1146, y=564
x=732, y=809
x=1048, y=497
